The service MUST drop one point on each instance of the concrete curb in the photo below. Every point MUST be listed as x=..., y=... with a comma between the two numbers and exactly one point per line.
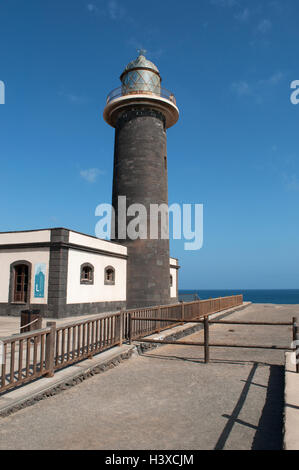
x=40, y=389
x=291, y=404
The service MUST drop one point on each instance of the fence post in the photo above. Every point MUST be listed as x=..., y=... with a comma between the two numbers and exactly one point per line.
x=297, y=353
x=2, y=363
x=206, y=339
x=296, y=342
x=158, y=323
x=121, y=323
x=130, y=328
x=294, y=321
x=182, y=312
x=50, y=343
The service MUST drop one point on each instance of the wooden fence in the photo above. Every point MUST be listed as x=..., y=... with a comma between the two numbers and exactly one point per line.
x=207, y=344
x=184, y=310
x=28, y=356
x=81, y=340
x=25, y=357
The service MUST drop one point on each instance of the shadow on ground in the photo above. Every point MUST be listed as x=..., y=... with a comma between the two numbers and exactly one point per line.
x=269, y=432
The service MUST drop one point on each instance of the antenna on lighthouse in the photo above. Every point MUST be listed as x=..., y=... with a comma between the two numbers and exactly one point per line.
x=142, y=51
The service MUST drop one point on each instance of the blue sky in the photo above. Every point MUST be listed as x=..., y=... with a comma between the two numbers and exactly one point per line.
x=235, y=148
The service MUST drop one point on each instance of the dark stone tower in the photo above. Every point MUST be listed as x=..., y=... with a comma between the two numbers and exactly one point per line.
x=141, y=111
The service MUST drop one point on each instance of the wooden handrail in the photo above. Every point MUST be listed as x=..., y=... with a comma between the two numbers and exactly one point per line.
x=22, y=336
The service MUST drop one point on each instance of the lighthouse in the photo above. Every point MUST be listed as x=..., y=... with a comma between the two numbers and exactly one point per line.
x=141, y=111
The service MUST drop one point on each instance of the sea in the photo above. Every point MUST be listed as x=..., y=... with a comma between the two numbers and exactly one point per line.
x=262, y=296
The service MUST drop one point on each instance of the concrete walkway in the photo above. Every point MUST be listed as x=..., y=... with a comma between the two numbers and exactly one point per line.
x=26, y=395
x=168, y=399
x=291, y=406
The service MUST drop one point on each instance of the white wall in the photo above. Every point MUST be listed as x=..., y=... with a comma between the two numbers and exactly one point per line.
x=25, y=237
x=97, y=243
x=173, y=273
x=33, y=256
x=98, y=291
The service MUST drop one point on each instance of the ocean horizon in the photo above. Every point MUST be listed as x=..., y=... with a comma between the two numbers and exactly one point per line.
x=263, y=296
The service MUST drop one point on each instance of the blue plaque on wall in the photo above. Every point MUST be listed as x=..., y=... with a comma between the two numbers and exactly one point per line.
x=39, y=280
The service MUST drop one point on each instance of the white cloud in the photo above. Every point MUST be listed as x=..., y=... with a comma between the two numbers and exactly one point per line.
x=224, y=3
x=76, y=99
x=276, y=6
x=291, y=181
x=264, y=26
x=243, y=16
x=111, y=9
x=152, y=54
x=92, y=7
x=73, y=98
x=257, y=88
x=272, y=81
x=90, y=175
x=276, y=78
x=115, y=10
x=241, y=88
x=283, y=167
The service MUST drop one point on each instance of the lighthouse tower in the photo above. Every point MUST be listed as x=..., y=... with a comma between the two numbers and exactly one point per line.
x=141, y=111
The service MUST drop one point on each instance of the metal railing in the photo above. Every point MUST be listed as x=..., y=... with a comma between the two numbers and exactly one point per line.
x=38, y=353
x=122, y=91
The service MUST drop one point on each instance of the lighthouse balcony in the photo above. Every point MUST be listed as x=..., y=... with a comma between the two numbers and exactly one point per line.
x=154, y=97
x=143, y=90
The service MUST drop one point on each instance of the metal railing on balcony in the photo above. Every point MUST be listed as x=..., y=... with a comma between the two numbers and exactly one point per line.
x=123, y=91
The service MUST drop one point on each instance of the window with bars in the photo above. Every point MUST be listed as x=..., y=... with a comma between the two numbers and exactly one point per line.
x=109, y=275
x=86, y=274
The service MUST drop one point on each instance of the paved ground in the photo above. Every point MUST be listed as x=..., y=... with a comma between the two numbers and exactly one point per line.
x=169, y=399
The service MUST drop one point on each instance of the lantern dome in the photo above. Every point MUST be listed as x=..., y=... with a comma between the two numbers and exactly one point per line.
x=141, y=87
x=141, y=76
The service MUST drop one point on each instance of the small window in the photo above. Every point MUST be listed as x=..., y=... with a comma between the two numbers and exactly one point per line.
x=171, y=281
x=86, y=274
x=109, y=275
